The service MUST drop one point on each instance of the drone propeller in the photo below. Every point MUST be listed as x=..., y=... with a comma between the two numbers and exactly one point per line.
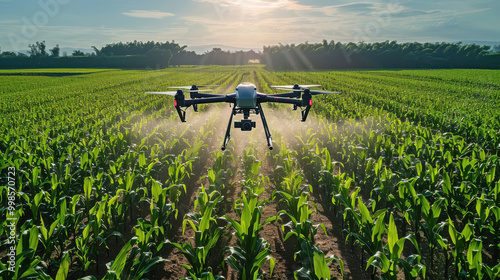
x=173, y=93
x=295, y=86
x=315, y=92
x=193, y=86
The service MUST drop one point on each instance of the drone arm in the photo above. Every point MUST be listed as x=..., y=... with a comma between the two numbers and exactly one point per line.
x=268, y=98
x=204, y=95
x=295, y=94
x=305, y=102
x=190, y=102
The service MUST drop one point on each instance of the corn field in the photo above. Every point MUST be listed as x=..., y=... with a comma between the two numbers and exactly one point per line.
x=396, y=178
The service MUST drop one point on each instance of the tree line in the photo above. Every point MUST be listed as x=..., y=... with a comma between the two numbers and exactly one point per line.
x=134, y=54
x=325, y=55
x=388, y=54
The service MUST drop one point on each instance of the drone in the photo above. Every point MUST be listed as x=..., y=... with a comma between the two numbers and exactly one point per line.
x=246, y=100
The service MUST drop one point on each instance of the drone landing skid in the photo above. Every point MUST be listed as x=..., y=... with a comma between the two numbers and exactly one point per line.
x=258, y=110
x=266, y=128
x=228, y=135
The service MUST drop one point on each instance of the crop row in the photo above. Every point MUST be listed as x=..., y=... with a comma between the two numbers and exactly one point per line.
x=99, y=165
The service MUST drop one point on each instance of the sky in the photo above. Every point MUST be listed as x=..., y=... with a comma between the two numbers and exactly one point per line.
x=244, y=24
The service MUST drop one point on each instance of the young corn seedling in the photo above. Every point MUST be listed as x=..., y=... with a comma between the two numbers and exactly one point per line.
x=300, y=225
x=369, y=235
x=205, y=201
x=205, y=238
x=26, y=260
x=432, y=228
x=130, y=263
x=162, y=209
x=460, y=241
x=389, y=259
x=252, y=251
x=314, y=263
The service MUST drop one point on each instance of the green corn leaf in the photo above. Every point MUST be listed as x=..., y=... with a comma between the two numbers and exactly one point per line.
x=379, y=228
x=380, y=261
x=320, y=266
x=120, y=260
x=452, y=231
x=365, y=214
x=142, y=159
x=272, y=262
x=87, y=187
x=392, y=234
x=467, y=232
x=446, y=183
x=62, y=273
x=156, y=190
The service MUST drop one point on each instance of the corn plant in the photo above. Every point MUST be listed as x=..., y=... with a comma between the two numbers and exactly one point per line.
x=62, y=272
x=26, y=261
x=205, y=201
x=460, y=240
x=206, y=236
x=162, y=209
x=300, y=224
x=369, y=235
x=432, y=231
x=251, y=251
x=130, y=263
x=50, y=237
x=84, y=248
x=314, y=263
x=389, y=259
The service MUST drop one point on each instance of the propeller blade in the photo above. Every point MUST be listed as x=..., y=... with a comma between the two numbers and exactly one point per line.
x=302, y=89
x=283, y=88
x=172, y=93
x=196, y=90
x=189, y=87
x=292, y=86
x=208, y=86
x=309, y=86
x=315, y=92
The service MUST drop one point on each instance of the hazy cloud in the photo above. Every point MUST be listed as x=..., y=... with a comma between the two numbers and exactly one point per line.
x=356, y=8
x=148, y=14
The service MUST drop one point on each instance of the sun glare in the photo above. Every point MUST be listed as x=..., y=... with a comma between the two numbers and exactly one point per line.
x=261, y=4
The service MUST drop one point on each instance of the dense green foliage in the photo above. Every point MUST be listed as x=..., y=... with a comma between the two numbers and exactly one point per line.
x=325, y=55
x=152, y=55
x=328, y=55
x=101, y=173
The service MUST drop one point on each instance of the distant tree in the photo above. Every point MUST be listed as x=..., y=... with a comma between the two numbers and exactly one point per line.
x=78, y=53
x=38, y=49
x=160, y=57
x=96, y=50
x=8, y=54
x=495, y=49
x=54, y=52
